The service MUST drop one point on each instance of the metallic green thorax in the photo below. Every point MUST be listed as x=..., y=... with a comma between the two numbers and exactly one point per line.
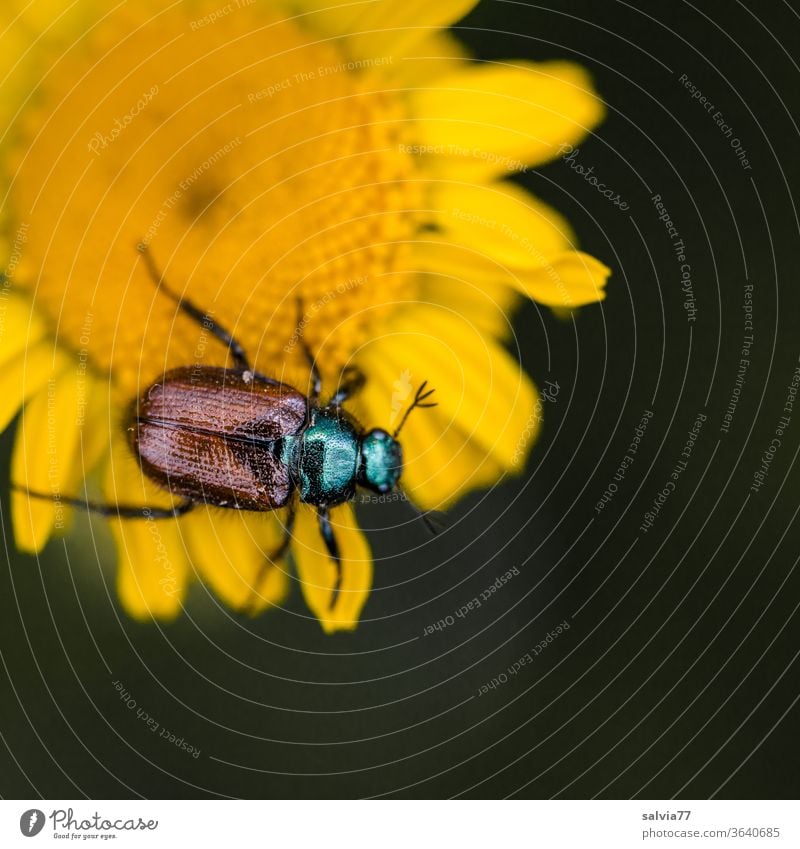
x=327, y=460
x=331, y=455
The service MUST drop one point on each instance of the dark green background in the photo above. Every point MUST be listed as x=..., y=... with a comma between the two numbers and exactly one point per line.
x=678, y=675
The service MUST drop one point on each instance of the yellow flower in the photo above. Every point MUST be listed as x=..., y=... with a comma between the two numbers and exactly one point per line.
x=347, y=153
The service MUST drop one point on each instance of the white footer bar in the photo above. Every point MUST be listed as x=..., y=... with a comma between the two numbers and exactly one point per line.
x=402, y=824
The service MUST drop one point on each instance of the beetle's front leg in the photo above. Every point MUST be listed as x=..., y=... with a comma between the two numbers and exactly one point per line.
x=332, y=545
x=350, y=383
x=316, y=377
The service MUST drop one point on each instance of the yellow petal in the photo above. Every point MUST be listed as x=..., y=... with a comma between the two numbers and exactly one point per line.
x=497, y=119
x=24, y=376
x=36, y=16
x=454, y=466
x=440, y=461
x=501, y=220
x=569, y=280
x=99, y=423
x=478, y=385
x=230, y=549
x=153, y=568
x=434, y=56
x=328, y=17
x=488, y=307
x=382, y=29
x=486, y=418
x=509, y=227
x=566, y=280
x=46, y=459
x=20, y=325
x=317, y=572
x=16, y=72
x=94, y=433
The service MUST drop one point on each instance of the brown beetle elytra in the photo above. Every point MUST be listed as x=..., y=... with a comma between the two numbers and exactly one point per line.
x=202, y=433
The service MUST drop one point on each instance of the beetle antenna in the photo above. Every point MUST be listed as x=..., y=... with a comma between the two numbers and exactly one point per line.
x=430, y=518
x=418, y=401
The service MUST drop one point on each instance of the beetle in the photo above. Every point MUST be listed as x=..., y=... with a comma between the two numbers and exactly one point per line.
x=237, y=439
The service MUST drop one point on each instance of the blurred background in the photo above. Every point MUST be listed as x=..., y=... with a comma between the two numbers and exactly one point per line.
x=677, y=674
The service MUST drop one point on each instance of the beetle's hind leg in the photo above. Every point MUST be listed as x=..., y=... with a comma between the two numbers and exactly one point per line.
x=271, y=559
x=122, y=511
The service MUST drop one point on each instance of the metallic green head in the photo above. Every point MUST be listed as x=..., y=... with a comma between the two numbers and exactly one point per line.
x=381, y=461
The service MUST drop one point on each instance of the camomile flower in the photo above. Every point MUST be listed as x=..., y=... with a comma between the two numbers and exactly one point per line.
x=346, y=156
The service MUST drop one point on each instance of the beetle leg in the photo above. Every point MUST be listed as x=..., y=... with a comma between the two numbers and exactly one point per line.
x=123, y=511
x=351, y=382
x=235, y=348
x=316, y=377
x=333, y=549
x=269, y=562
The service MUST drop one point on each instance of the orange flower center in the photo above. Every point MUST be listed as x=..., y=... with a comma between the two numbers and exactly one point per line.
x=253, y=159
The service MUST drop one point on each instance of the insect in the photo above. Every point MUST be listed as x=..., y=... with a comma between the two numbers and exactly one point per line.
x=235, y=438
